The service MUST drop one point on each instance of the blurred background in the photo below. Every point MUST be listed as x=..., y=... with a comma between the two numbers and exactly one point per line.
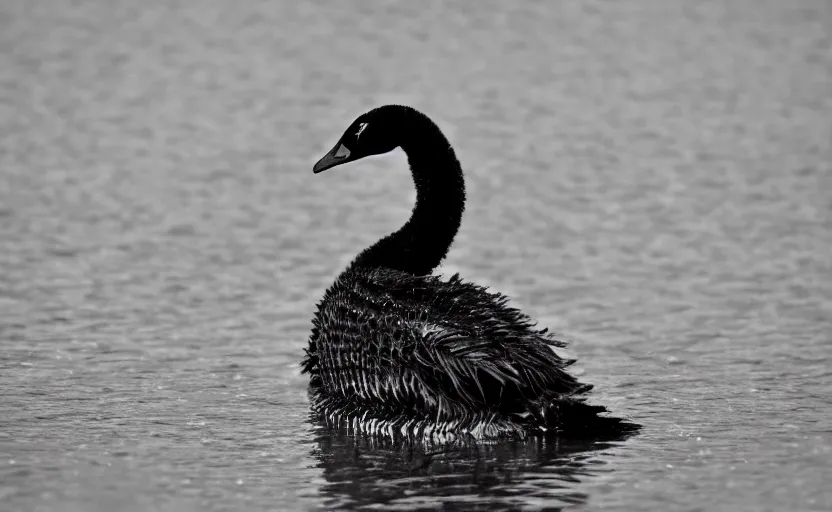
x=651, y=178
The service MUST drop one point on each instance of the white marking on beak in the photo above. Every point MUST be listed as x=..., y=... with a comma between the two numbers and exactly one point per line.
x=342, y=152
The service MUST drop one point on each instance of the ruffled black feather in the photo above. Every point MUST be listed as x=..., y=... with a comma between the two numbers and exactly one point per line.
x=402, y=355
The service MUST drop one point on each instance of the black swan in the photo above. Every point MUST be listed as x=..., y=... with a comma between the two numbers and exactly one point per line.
x=397, y=352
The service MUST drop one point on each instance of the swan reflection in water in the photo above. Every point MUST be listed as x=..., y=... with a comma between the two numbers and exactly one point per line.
x=540, y=473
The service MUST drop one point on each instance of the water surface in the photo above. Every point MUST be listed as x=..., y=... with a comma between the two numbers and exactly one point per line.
x=650, y=178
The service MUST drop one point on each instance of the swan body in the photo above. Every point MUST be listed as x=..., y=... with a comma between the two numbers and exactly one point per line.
x=396, y=351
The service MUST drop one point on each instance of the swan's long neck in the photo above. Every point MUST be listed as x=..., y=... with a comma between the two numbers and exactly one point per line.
x=421, y=244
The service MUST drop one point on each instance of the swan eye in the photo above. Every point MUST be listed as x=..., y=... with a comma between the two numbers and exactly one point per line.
x=361, y=128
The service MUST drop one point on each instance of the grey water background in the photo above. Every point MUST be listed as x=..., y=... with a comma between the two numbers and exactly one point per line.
x=651, y=178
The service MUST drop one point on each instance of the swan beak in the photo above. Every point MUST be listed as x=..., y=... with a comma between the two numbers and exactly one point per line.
x=336, y=156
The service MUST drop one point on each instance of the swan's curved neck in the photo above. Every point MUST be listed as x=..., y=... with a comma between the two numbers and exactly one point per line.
x=421, y=244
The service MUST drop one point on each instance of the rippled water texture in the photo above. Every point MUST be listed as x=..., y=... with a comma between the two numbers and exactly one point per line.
x=651, y=178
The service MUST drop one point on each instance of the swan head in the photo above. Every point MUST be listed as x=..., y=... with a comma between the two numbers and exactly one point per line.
x=372, y=133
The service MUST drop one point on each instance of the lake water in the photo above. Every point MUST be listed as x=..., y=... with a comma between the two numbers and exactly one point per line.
x=651, y=178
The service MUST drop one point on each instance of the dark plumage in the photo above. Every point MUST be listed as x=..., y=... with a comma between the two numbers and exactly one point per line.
x=399, y=352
